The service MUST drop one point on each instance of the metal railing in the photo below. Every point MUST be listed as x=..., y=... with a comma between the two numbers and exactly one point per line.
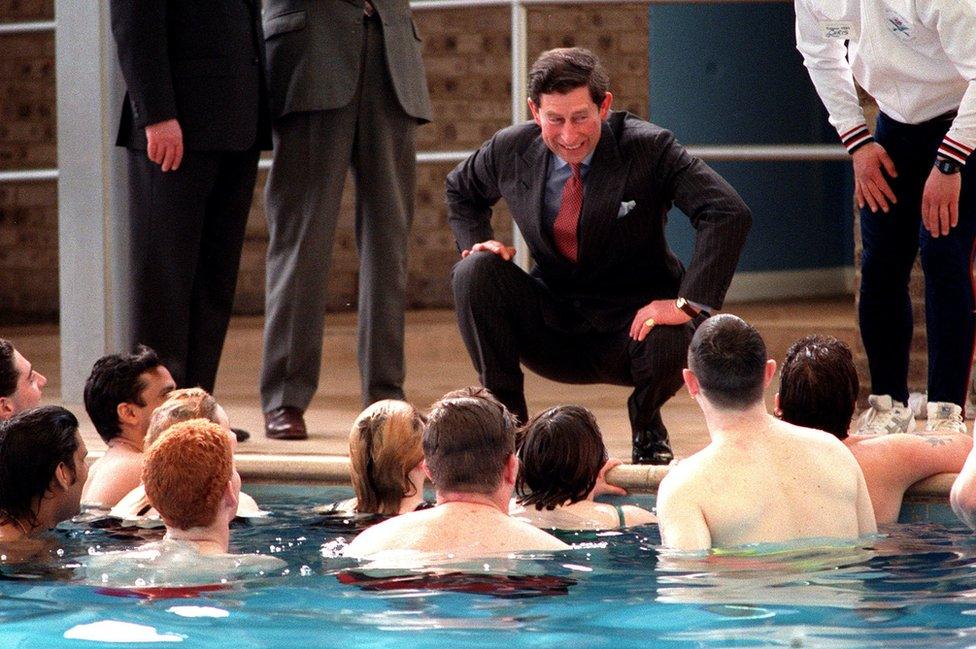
x=32, y=27
x=519, y=34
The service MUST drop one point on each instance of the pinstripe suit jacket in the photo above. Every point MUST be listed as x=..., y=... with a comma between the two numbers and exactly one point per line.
x=624, y=259
x=197, y=61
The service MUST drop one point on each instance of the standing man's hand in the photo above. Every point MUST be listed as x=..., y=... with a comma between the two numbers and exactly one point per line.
x=871, y=163
x=658, y=312
x=495, y=247
x=940, y=202
x=164, y=144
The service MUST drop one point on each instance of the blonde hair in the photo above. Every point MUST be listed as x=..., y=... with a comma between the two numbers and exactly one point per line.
x=384, y=446
x=185, y=472
x=181, y=405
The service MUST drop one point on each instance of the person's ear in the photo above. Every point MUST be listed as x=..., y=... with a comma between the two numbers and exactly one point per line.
x=535, y=112
x=64, y=476
x=126, y=413
x=691, y=382
x=770, y=372
x=6, y=408
x=511, y=469
x=605, y=105
x=231, y=497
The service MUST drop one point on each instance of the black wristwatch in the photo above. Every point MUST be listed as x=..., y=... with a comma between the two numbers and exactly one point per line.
x=947, y=166
x=684, y=305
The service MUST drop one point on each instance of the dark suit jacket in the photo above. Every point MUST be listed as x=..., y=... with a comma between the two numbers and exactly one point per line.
x=315, y=50
x=199, y=61
x=624, y=260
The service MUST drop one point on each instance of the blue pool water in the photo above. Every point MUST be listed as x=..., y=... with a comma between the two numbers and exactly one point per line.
x=915, y=587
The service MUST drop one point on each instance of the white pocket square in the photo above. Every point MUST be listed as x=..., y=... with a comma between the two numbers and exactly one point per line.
x=625, y=208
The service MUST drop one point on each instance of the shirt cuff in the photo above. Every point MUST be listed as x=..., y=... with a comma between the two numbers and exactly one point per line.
x=857, y=137
x=954, y=150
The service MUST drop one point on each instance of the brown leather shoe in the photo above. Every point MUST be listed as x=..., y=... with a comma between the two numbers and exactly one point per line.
x=285, y=423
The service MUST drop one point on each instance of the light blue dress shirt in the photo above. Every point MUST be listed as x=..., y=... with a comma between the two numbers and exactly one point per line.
x=557, y=174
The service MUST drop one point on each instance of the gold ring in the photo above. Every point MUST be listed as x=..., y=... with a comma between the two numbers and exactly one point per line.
x=649, y=323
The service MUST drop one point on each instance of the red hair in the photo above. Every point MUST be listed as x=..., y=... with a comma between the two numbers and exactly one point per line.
x=185, y=472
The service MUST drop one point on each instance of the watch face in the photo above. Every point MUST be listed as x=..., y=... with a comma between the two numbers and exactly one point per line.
x=947, y=166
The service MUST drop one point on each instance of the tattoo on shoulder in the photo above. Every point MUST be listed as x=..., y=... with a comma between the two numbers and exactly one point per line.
x=937, y=440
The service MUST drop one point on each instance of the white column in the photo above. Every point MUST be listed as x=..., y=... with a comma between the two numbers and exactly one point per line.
x=91, y=192
x=520, y=46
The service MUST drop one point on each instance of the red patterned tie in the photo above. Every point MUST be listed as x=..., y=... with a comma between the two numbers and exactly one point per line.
x=567, y=219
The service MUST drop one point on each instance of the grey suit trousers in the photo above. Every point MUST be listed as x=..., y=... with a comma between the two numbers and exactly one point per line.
x=313, y=152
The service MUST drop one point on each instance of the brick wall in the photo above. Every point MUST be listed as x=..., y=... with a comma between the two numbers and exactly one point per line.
x=467, y=53
x=28, y=211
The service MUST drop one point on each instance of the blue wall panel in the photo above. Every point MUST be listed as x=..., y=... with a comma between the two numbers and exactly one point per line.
x=730, y=74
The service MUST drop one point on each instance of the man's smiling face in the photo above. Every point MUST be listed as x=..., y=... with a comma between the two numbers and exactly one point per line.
x=570, y=122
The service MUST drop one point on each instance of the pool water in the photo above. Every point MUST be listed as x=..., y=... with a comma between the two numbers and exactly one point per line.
x=914, y=587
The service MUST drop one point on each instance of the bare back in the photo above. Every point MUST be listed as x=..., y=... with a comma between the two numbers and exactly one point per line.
x=112, y=476
x=893, y=463
x=583, y=515
x=778, y=484
x=463, y=530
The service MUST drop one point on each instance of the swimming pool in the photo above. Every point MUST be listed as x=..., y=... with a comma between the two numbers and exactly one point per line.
x=916, y=587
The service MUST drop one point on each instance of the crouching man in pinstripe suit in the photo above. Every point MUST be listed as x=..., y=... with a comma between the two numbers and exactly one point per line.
x=606, y=301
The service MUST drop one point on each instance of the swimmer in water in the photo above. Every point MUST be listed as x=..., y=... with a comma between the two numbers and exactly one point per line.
x=385, y=456
x=42, y=471
x=20, y=383
x=469, y=451
x=819, y=389
x=180, y=405
x=563, y=464
x=190, y=479
x=120, y=395
x=759, y=480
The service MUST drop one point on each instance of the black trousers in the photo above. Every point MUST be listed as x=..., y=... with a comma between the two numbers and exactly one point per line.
x=187, y=231
x=507, y=317
x=891, y=242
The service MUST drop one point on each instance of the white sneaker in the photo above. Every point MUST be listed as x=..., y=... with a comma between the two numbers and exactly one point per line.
x=917, y=402
x=944, y=419
x=885, y=417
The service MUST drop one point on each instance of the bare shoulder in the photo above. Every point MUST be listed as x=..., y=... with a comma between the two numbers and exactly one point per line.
x=532, y=538
x=811, y=437
x=687, y=470
x=381, y=536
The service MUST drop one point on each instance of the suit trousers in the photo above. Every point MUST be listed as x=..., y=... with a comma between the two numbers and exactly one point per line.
x=187, y=230
x=507, y=317
x=313, y=152
x=891, y=242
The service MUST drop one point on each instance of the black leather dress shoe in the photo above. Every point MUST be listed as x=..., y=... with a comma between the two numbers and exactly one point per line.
x=241, y=434
x=656, y=451
x=285, y=423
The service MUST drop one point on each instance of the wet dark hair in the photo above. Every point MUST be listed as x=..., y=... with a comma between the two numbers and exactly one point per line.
x=564, y=69
x=116, y=379
x=728, y=356
x=467, y=441
x=473, y=391
x=8, y=370
x=32, y=445
x=561, y=453
x=819, y=385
